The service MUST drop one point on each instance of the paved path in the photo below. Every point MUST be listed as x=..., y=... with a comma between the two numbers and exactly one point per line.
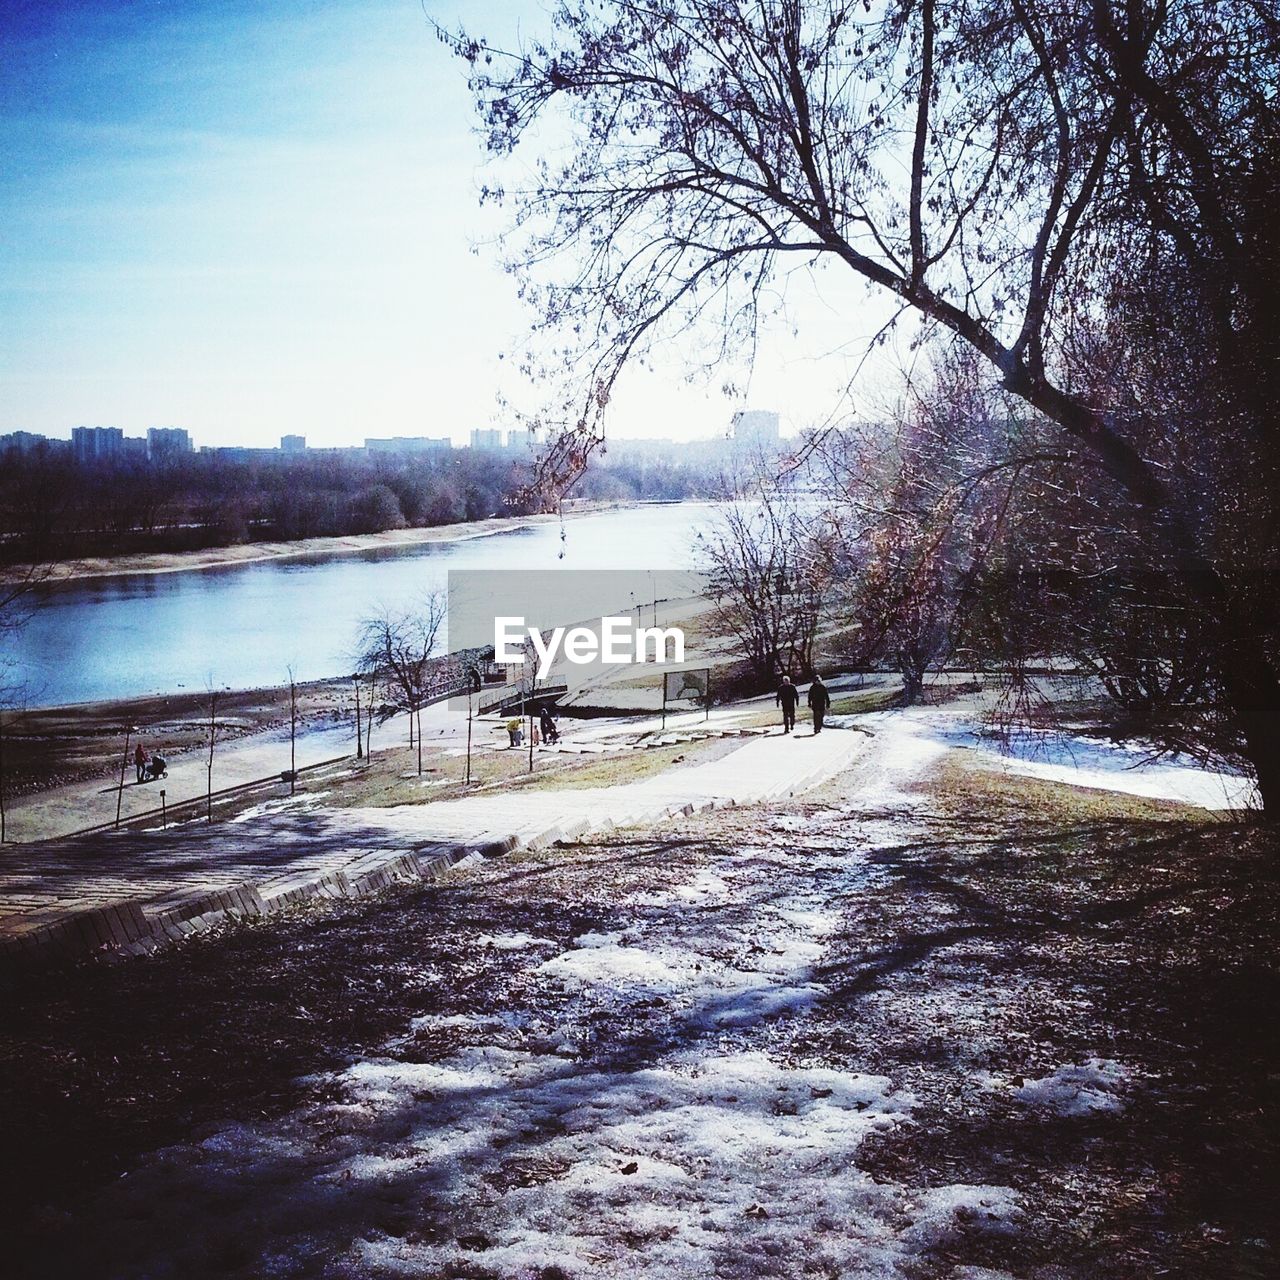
x=135, y=889
x=238, y=761
x=235, y=762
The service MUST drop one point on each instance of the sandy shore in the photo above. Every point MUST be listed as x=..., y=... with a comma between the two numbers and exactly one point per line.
x=145, y=563
x=153, y=562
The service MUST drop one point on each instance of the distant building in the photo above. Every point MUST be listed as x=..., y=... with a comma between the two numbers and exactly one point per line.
x=24, y=442
x=486, y=438
x=236, y=453
x=92, y=445
x=755, y=426
x=167, y=442
x=408, y=444
x=293, y=444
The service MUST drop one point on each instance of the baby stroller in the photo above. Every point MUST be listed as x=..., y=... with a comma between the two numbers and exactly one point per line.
x=155, y=768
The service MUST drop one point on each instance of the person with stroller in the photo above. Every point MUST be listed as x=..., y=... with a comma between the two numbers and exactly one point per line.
x=547, y=723
x=140, y=762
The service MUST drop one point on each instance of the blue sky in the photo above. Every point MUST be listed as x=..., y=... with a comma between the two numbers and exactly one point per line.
x=249, y=219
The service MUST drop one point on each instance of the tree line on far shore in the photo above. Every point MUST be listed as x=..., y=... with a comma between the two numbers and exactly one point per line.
x=53, y=508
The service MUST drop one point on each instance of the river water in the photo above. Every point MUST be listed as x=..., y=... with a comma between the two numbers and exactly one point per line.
x=244, y=626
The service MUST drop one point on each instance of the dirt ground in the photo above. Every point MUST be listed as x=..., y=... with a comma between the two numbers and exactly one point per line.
x=995, y=1028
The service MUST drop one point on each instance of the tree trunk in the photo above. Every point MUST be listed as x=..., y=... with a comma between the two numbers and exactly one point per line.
x=913, y=673
x=1250, y=683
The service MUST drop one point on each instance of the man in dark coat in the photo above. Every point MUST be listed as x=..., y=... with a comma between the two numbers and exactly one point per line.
x=547, y=721
x=819, y=701
x=788, y=696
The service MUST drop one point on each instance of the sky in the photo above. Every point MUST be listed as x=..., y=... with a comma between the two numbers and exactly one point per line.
x=251, y=218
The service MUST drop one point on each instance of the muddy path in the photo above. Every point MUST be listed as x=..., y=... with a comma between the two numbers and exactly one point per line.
x=883, y=1033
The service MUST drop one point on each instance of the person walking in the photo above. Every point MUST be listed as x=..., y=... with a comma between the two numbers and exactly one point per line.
x=549, y=731
x=140, y=761
x=819, y=702
x=788, y=696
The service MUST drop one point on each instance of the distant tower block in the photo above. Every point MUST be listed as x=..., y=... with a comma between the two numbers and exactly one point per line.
x=755, y=426
x=97, y=444
x=293, y=444
x=167, y=442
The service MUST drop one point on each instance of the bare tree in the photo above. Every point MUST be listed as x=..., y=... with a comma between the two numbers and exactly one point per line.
x=768, y=574
x=398, y=645
x=994, y=167
x=920, y=508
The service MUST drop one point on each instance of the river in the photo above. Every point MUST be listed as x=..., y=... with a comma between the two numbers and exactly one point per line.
x=244, y=626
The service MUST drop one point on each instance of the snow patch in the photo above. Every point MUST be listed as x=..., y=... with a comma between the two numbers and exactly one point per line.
x=285, y=804
x=903, y=749
x=1202, y=788
x=705, y=887
x=814, y=921
x=1088, y=1088
x=511, y=941
x=945, y=1212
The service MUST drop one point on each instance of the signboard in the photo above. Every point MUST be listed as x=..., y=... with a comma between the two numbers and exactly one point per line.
x=682, y=686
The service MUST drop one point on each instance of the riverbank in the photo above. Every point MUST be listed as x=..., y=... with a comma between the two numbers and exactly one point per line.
x=158, y=562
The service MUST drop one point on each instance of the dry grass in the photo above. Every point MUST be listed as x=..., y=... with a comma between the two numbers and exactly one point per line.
x=964, y=784
x=383, y=784
x=857, y=704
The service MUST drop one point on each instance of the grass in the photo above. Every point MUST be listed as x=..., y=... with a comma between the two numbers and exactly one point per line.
x=971, y=787
x=857, y=704
x=382, y=784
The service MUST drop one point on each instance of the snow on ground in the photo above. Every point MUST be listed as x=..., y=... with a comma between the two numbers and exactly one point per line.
x=1083, y=761
x=708, y=992
x=909, y=741
x=680, y=1170
x=510, y=941
x=533, y=1147
x=628, y=1118
x=301, y=803
x=1087, y=1088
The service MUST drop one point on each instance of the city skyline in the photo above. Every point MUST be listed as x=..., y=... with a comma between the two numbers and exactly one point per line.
x=252, y=221
x=111, y=443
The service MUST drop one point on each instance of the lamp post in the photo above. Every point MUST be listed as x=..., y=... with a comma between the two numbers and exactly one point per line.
x=533, y=688
x=293, y=734
x=355, y=679
x=124, y=764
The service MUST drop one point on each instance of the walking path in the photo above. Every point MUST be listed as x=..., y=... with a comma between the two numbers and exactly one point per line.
x=136, y=890
x=235, y=763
